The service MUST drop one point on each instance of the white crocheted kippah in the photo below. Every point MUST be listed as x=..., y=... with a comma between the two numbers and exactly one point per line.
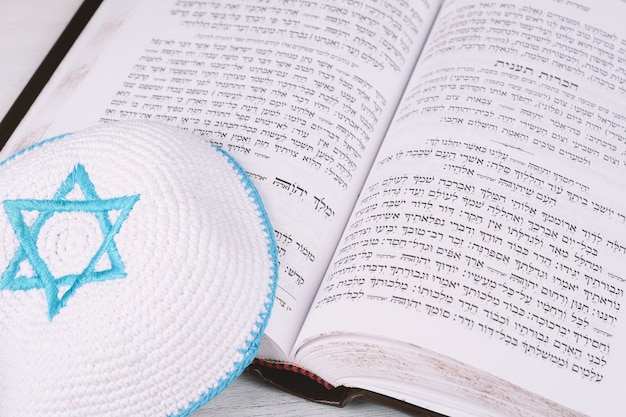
x=137, y=273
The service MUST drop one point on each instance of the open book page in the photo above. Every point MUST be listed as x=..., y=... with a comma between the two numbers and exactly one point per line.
x=491, y=228
x=299, y=92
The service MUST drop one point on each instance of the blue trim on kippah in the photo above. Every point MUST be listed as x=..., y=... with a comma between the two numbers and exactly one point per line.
x=252, y=348
x=33, y=146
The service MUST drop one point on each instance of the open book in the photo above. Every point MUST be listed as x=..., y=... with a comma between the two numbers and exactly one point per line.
x=445, y=179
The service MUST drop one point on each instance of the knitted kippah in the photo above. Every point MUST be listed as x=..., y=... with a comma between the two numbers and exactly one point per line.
x=137, y=273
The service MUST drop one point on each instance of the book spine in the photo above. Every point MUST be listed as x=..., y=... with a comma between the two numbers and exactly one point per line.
x=296, y=369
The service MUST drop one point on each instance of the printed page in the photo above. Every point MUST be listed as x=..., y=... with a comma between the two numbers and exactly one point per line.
x=492, y=226
x=299, y=92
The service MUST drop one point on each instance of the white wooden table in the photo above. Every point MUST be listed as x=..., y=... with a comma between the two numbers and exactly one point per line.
x=28, y=28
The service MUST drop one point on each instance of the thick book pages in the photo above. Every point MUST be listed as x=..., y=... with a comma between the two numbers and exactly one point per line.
x=445, y=180
x=303, y=383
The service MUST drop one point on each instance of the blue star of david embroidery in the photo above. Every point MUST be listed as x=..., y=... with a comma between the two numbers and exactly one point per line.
x=28, y=235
